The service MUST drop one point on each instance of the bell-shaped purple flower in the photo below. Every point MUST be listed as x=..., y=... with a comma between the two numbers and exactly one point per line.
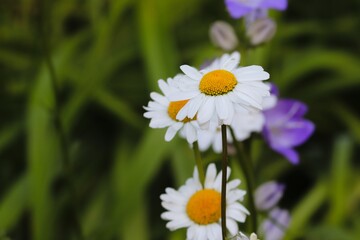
x=240, y=8
x=276, y=224
x=268, y=194
x=285, y=127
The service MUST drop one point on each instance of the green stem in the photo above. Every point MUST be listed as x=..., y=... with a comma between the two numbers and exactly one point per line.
x=198, y=162
x=57, y=121
x=223, y=181
x=247, y=168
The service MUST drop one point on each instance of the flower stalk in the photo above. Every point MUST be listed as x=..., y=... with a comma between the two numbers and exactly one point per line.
x=223, y=181
x=198, y=163
x=248, y=170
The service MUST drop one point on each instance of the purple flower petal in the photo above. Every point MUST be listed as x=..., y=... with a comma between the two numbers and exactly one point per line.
x=285, y=110
x=268, y=194
x=291, y=134
x=275, y=226
x=274, y=90
x=274, y=4
x=289, y=153
x=286, y=128
x=237, y=9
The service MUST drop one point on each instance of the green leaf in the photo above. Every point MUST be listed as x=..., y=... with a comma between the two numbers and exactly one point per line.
x=301, y=64
x=182, y=161
x=13, y=204
x=43, y=155
x=340, y=172
x=8, y=134
x=328, y=233
x=156, y=42
x=136, y=224
x=120, y=108
x=348, y=117
x=307, y=207
x=137, y=171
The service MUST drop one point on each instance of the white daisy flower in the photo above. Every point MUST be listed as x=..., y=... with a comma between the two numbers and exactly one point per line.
x=212, y=138
x=162, y=113
x=221, y=89
x=199, y=209
x=243, y=124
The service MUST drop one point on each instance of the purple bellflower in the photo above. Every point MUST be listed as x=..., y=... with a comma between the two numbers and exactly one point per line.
x=240, y=8
x=268, y=194
x=285, y=127
x=276, y=224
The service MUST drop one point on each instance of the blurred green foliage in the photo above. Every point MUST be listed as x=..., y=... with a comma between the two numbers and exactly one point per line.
x=107, y=57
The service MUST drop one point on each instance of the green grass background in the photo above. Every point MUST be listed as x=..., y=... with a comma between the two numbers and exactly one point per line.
x=107, y=56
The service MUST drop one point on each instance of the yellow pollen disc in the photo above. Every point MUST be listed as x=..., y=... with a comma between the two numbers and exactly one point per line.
x=217, y=82
x=204, y=207
x=175, y=107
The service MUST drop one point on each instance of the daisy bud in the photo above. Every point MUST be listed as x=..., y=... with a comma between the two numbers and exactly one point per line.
x=261, y=31
x=268, y=195
x=241, y=236
x=223, y=35
x=253, y=236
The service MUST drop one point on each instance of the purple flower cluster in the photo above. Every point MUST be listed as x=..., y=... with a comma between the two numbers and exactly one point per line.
x=259, y=27
x=240, y=8
x=267, y=197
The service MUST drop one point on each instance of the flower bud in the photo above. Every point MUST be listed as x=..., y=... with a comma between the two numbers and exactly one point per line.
x=276, y=224
x=260, y=31
x=223, y=35
x=268, y=195
x=241, y=236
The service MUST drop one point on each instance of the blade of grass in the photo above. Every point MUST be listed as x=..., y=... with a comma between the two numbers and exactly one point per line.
x=155, y=40
x=120, y=108
x=307, y=207
x=340, y=173
x=343, y=64
x=137, y=171
x=9, y=133
x=13, y=204
x=182, y=162
x=349, y=118
x=43, y=151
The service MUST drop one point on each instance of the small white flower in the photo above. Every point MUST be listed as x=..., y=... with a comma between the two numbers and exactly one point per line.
x=162, y=113
x=199, y=209
x=221, y=90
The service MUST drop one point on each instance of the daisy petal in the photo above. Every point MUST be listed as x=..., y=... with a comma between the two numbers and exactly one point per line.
x=206, y=111
x=191, y=72
x=231, y=62
x=210, y=176
x=170, y=134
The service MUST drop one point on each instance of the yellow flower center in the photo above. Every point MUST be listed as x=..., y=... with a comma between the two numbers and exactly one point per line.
x=204, y=207
x=217, y=82
x=175, y=107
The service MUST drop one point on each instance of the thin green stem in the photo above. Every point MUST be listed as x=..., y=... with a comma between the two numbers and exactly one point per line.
x=247, y=168
x=198, y=162
x=223, y=181
x=56, y=111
